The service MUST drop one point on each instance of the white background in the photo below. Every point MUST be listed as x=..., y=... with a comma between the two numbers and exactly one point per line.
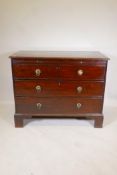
x=58, y=25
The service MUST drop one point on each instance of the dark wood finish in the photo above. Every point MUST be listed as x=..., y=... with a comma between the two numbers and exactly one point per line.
x=18, y=121
x=56, y=105
x=57, y=94
x=98, y=121
x=89, y=72
x=63, y=72
x=28, y=71
x=59, y=61
x=51, y=88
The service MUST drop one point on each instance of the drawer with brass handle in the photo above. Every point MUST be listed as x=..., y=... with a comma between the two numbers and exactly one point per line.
x=58, y=105
x=64, y=72
x=46, y=88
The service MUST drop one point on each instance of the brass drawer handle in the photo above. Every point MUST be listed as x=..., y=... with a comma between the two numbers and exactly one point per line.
x=79, y=105
x=80, y=72
x=38, y=72
x=79, y=89
x=38, y=88
x=39, y=105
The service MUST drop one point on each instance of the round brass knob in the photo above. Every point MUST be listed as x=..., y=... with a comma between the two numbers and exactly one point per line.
x=79, y=89
x=80, y=72
x=38, y=88
x=39, y=105
x=79, y=105
x=37, y=72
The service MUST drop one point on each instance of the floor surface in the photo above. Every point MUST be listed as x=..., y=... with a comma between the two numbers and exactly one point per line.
x=58, y=147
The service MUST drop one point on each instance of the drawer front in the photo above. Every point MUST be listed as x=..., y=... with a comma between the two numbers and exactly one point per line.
x=40, y=71
x=48, y=106
x=35, y=71
x=83, y=72
x=44, y=88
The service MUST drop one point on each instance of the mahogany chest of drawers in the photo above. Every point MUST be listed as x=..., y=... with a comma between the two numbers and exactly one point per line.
x=59, y=84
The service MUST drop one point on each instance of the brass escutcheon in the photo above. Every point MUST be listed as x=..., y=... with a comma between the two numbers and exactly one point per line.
x=39, y=105
x=38, y=72
x=80, y=72
x=79, y=105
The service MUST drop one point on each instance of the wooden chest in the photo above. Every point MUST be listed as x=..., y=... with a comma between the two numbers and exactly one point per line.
x=59, y=84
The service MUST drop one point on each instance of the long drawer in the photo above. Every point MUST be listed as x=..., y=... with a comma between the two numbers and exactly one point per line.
x=61, y=105
x=47, y=88
x=53, y=71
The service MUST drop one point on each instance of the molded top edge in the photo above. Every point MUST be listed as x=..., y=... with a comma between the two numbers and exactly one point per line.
x=60, y=55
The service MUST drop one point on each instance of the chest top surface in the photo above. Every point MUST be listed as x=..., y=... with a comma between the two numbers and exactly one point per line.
x=73, y=55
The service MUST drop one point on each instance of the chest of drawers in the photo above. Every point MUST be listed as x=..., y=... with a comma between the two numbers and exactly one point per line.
x=58, y=84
